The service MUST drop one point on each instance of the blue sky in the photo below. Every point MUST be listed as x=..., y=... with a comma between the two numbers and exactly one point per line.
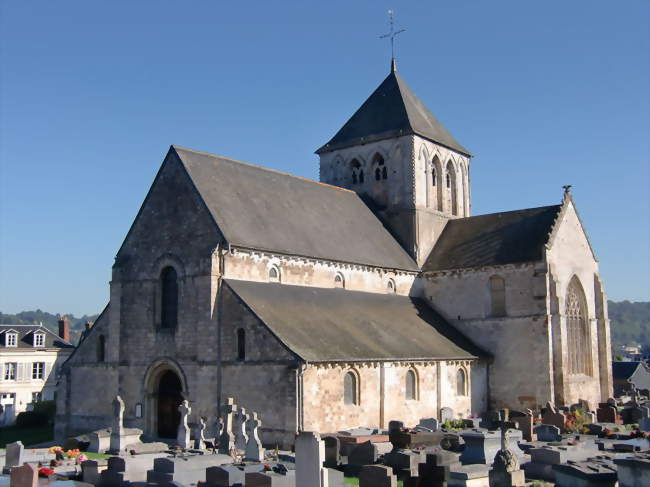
x=92, y=93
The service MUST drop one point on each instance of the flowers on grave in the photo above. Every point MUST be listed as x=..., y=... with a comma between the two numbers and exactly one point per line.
x=267, y=467
x=45, y=472
x=73, y=453
x=55, y=449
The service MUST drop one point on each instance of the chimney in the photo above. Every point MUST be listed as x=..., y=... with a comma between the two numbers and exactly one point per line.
x=89, y=325
x=64, y=328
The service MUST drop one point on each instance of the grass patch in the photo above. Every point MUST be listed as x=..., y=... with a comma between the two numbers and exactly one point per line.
x=29, y=436
x=96, y=456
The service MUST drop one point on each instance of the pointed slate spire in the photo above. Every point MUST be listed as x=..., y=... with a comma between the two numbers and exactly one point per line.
x=392, y=110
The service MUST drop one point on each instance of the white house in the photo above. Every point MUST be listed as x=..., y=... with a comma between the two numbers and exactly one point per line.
x=30, y=356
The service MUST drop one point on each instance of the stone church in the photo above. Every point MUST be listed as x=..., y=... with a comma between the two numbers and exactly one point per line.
x=369, y=296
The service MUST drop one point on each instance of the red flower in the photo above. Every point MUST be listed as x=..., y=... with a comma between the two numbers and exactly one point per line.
x=45, y=472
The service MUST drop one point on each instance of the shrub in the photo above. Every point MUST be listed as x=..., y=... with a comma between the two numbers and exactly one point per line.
x=32, y=419
x=46, y=407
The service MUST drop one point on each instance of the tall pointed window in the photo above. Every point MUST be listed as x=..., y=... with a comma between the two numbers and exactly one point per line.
x=452, y=196
x=357, y=172
x=350, y=388
x=241, y=344
x=169, y=298
x=577, y=325
x=411, y=391
x=461, y=383
x=101, y=349
x=380, y=167
x=498, y=295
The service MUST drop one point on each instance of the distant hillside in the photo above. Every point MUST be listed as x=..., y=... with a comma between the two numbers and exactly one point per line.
x=49, y=320
x=630, y=322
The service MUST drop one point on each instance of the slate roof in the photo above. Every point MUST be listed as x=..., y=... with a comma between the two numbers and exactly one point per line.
x=25, y=334
x=325, y=325
x=495, y=239
x=392, y=110
x=624, y=370
x=259, y=208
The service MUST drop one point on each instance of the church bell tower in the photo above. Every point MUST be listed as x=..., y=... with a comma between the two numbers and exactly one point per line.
x=410, y=171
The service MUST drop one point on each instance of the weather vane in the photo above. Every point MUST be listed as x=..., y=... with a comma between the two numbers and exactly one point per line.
x=392, y=34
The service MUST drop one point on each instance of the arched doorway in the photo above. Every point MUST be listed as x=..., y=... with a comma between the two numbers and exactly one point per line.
x=169, y=397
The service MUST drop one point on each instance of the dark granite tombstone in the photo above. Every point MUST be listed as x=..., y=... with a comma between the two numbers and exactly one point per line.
x=547, y=432
x=224, y=476
x=585, y=474
x=606, y=413
x=554, y=416
x=377, y=476
x=332, y=451
x=364, y=454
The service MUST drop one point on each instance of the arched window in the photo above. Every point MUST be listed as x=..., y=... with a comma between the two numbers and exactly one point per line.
x=577, y=324
x=437, y=184
x=380, y=168
x=411, y=385
x=357, y=173
x=101, y=349
x=339, y=280
x=390, y=286
x=169, y=298
x=350, y=388
x=241, y=344
x=461, y=383
x=452, y=196
x=274, y=274
x=433, y=176
x=498, y=295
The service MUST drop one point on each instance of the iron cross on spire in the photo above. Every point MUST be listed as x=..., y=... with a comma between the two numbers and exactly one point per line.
x=392, y=34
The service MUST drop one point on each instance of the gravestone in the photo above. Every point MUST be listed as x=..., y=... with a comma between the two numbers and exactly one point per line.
x=25, y=476
x=224, y=476
x=14, y=454
x=430, y=423
x=377, y=476
x=310, y=456
x=269, y=479
x=241, y=438
x=606, y=413
x=183, y=434
x=254, y=451
x=644, y=424
x=227, y=438
x=554, y=417
x=633, y=471
x=446, y=414
x=332, y=451
x=547, y=432
x=526, y=425
x=585, y=474
x=505, y=471
x=100, y=441
x=363, y=454
x=162, y=472
x=199, y=440
x=117, y=428
x=113, y=476
x=90, y=472
x=480, y=446
x=435, y=470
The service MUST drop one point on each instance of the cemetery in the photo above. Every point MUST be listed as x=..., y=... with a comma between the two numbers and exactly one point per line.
x=563, y=446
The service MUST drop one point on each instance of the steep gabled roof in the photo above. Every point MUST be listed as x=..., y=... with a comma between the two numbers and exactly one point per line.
x=329, y=325
x=624, y=370
x=262, y=209
x=494, y=239
x=392, y=110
